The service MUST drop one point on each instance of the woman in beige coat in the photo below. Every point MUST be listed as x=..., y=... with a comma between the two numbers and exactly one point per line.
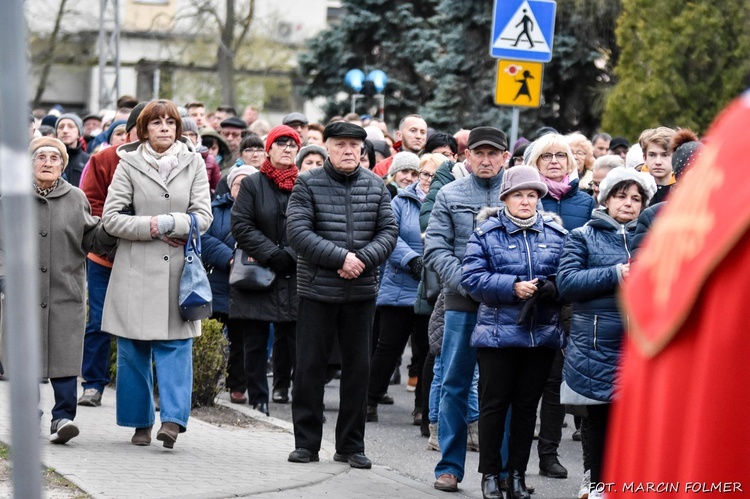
x=158, y=182
x=66, y=232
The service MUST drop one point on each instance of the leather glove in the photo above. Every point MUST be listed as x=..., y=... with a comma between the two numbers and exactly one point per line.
x=547, y=292
x=282, y=263
x=415, y=264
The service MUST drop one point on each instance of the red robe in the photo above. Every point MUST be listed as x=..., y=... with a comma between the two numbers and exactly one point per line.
x=681, y=419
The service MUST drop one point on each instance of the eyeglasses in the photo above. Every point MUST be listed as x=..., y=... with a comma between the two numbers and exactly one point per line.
x=287, y=145
x=426, y=175
x=190, y=134
x=547, y=156
x=53, y=160
x=229, y=135
x=253, y=150
x=580, y=153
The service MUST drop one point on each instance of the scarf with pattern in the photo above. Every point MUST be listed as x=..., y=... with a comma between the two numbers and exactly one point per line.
x=284, y=179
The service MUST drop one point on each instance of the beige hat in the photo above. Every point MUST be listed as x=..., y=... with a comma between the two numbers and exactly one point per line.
x=40, y=142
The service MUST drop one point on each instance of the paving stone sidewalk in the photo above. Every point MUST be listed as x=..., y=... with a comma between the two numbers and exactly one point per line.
x=207, y=461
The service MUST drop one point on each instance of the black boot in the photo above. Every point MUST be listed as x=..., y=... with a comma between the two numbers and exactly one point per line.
x=517, y=486
x=491, y=487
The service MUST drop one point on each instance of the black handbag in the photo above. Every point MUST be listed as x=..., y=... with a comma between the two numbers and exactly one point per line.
x=247, y=274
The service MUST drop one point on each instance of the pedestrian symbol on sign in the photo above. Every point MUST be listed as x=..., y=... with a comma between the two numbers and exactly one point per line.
x=521, y=26
x=519, y=83
x=523, y=30
x=528, y=26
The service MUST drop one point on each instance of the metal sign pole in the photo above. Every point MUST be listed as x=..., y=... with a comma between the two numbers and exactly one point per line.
x=514, y=127
x=21, y=316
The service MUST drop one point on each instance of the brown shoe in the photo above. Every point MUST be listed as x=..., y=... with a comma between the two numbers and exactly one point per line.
x=237, y=398
x=142, y=437
x=447, y=483
x=168, y=434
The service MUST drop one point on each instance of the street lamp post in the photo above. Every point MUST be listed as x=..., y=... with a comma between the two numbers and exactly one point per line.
x=371, y=85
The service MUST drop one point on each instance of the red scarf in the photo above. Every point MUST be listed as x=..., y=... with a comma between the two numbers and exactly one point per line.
x=284, y=179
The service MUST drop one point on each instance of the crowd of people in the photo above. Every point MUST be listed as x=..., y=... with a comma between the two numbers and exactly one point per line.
x=499, y=263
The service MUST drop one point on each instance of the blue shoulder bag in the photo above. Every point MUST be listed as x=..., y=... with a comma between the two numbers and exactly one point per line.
x=195, y=291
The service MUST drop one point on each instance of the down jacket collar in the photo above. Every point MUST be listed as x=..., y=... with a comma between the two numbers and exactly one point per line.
x=550, y=218
x=600, y=219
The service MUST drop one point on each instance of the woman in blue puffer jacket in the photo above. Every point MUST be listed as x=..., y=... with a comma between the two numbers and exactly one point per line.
x=509, y=266
x=596, y=259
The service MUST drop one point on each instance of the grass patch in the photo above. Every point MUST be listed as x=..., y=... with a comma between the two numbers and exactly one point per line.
x=4, y=451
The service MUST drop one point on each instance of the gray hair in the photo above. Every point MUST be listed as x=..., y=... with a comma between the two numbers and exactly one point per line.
x=608, y=162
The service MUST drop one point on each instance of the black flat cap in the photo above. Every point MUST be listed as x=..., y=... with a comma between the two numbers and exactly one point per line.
x=234, y=122
x=133, y=118
x=344, y=129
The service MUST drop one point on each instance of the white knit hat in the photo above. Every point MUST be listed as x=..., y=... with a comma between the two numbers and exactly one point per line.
x=404, y=160
x=617, y=175
x=634, y=157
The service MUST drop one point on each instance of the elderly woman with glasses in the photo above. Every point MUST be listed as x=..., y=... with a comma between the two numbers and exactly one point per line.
x=583, y=151
x=259, y=227
x=398, y=289
x=552, y=156
x=66, y=232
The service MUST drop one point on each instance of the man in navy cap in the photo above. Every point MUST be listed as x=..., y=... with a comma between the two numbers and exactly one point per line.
x=340, y=223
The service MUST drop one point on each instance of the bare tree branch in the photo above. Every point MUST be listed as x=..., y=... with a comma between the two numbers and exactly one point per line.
x=47, y=66
x=246, y=22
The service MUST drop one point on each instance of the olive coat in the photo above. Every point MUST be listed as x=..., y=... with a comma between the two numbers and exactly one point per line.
x=142, y=297
x=66, y=232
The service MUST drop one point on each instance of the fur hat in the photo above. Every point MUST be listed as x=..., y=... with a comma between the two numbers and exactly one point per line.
x=239, y=170
x=522, y=177
x=40, y=142
x=404, y=160
x=617, y=175
x=311, y=149
x=282, y=131
x=74, y=118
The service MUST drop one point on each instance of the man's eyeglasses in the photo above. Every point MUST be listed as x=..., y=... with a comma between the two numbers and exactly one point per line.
x=232, y=134
x=426, y=176
x=559, y=156
x=253, y=150
x=284, y=145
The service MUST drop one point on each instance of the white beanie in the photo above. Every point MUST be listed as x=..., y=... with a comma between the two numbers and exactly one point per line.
x=634, y=157
x=617, y=175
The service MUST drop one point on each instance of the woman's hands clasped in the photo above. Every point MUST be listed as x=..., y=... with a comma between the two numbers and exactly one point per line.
x=525, y=289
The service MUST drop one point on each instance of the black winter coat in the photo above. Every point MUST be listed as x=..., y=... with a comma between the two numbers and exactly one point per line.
x=259, y=227
x=77, y=159
x=330, y=214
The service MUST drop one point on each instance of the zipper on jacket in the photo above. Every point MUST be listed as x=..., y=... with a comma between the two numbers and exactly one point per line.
x=349, y=231
x=625, y=241
x=531, y=277
x=596, y=329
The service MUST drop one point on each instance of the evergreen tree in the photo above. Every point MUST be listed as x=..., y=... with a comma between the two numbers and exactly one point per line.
x=389, y=35
x=681, y=62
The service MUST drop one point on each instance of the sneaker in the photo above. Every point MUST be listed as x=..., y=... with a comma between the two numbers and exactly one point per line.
x=62, y=430
x=411, y=384
x=583, y=492
x=91, y=398
x=355, y=460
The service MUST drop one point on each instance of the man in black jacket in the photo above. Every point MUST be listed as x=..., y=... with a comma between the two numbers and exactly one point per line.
x=69, y=128
x=340, y=223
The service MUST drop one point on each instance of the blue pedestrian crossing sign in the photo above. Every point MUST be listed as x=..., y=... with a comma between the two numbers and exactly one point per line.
x=523, y=30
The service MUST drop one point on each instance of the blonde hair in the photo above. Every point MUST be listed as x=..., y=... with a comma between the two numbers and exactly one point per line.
x=660, y=136
x=544, y=143
x=435, y=158
x=577, y=139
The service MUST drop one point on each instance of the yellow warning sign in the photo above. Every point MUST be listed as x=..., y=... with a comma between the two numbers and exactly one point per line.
x=518, y=83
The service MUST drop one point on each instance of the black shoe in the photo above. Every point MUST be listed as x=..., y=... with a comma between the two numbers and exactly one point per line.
x=386, y=400
x=372, y=413
x=280, y=396
x=301, y=455
x=517, y=486
x=355, y=460
x=550, y=466
x=416, y=417
x=577, y=435
x=491, y=487
x=396, y=377
x=262, y=407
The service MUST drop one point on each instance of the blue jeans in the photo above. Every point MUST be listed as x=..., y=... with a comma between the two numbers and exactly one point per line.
x=65, y=397
x=95, y=366
x=437, y=385
x=459, y=362
x=135, y=381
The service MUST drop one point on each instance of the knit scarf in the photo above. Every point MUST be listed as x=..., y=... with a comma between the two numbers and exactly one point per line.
x=45, y=192
x=163, y=162
x=284, y=179
x=523, y=223
x=557, y=190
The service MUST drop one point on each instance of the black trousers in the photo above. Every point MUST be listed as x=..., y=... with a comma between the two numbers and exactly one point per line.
x=248, y=356
x=597, y=434
x=509, y=377
x=397, y=324
x=284, y=356
x=65, y=398
x=552, y=413
x=428, y=374
x=317, y=325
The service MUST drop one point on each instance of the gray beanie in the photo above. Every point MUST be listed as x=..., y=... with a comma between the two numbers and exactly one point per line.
x=522, y=177
x=188, y=125
x=239, y=170
x=404, y=160
x=74, y=118
x=311, y=149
